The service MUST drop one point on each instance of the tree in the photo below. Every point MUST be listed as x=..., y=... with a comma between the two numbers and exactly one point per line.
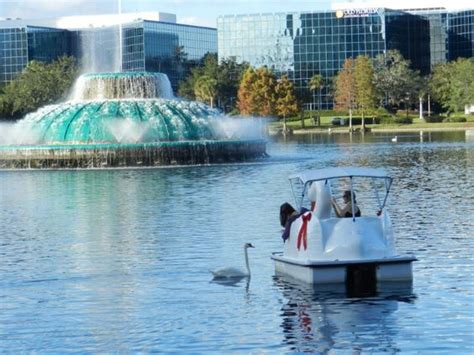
x=286, y=102
x=452, y=84
x=345, y=88
x=245, y=96
x=228, y=78
x=317, y=83
x=208, y=67
x=38, y=85
x=393, y=78
x=364, y=83
x=205, y=89
x=265, y=91
x=227, y=75
x=256, y=95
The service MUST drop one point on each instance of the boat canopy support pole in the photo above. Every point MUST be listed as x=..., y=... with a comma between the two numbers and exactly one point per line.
x=352, y=200
x=388, y=183
x=377, y=194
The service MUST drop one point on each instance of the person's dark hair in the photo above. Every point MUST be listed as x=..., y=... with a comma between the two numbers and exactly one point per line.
x=285, y=212
x=347, y=194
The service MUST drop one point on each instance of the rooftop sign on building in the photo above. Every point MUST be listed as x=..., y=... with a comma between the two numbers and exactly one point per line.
x=362, y=12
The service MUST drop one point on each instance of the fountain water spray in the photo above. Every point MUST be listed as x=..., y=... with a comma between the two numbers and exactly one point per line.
x=126, y=119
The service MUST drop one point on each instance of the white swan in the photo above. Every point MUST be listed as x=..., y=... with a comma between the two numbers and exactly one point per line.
x=395, y=139
x=231, y=272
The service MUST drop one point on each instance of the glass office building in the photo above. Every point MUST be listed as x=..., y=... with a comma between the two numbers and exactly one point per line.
x=152, y=46
x=13, y=52
x=303, y=44
x=146, y=46
x=461, y=35
x=438, y=19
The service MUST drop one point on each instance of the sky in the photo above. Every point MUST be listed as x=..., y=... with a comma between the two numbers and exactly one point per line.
x=197, y=12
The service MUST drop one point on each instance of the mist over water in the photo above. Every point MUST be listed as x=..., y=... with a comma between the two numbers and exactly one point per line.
x=128, y=131
x=238, y=127
x=19, y=134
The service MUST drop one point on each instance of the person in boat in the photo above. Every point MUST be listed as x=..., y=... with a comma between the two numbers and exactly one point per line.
x=346, y=210
x=287, y=215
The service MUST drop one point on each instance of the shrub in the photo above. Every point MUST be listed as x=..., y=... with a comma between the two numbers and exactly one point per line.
x=455, y=119
x=434, y=119
x=403, y=120
x=396, y=120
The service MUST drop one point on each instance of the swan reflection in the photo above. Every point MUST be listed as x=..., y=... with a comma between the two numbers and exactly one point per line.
x=327, y=318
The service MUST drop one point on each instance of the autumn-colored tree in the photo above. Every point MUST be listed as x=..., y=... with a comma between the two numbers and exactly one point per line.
x=256, y=95
x=286, y=101
x=245, y=95
x=345, y=89
x=265, y=91
x=316, y=83
x=205, y=89
x=365, y=88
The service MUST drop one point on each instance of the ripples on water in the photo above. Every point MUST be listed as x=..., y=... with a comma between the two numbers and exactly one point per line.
x=119, y=259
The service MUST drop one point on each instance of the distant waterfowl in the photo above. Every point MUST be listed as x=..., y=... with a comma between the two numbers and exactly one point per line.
x=233, y=273
x=395, y=139
x=329, y=130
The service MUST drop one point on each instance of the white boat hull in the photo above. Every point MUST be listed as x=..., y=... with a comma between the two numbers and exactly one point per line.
x=332, y=272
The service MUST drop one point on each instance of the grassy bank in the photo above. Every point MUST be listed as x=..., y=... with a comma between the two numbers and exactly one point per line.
x=295, y=124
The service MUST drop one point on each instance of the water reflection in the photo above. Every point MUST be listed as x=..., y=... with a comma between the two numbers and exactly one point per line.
x=373, y=137
x=320, y=319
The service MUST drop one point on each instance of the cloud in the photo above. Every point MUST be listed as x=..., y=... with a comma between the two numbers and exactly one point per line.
x=30, y=9
x=196, y=21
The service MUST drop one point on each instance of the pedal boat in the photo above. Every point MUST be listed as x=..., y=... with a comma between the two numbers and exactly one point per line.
x=326, y=249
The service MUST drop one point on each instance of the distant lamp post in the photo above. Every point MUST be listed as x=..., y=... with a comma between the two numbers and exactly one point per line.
x=421, y=108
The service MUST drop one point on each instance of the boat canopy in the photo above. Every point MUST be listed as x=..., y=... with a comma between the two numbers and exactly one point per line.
x=335, y=173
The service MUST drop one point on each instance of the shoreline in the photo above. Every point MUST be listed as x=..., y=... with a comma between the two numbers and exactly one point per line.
x=374, y=130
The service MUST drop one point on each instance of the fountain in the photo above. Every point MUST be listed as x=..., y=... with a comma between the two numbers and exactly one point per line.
x=123, y=120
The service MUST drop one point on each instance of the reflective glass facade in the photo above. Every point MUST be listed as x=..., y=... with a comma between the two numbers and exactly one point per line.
x=147, y=45
x=47, y=44
x=438, y=20
x=162, y=47
x=461, y=35
x=174, y=49
x=13, y=52
x=304, y=44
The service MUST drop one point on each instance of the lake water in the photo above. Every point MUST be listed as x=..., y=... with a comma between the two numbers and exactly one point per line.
x=119, y=260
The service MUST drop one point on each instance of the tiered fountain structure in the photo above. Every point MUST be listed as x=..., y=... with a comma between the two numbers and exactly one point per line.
x=122, y=120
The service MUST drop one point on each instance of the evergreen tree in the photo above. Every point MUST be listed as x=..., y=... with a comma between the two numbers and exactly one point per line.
x=205, y=89
x=394, y=80
x=38, y=85
x=452, y=84
x=227, y=75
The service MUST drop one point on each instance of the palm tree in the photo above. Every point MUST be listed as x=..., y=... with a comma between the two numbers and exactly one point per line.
x=317, y=83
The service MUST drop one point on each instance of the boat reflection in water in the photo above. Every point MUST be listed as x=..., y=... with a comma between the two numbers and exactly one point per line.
x=325, y=317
